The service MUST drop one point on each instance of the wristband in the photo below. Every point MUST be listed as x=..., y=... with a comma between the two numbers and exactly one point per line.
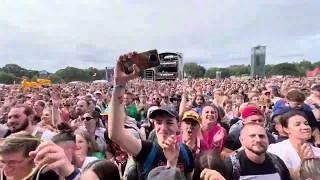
x=120, y=87
x=74, y=174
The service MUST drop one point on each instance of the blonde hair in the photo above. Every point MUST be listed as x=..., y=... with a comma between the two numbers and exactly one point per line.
x=310, y=168
x=91, y=142
x=19, y=142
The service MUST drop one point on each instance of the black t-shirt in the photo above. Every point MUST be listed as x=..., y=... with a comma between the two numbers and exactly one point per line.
x=266, y=170
x=160, y=159
x=233, y=142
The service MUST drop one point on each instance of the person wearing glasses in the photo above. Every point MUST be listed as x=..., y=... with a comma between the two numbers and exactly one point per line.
x=92, y=125
x=15, y=160
x=190, y=126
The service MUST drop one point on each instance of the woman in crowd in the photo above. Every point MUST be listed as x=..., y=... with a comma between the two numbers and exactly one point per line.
x=197, y=103
x=92, y=125
x=86, y=145
x=297, y=147
x=211, y=131
x=67, y=141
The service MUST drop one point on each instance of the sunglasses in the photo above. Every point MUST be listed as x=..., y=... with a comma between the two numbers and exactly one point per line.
x=86, y=118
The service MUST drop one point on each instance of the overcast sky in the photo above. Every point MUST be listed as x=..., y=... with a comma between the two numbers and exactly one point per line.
x=52, y=34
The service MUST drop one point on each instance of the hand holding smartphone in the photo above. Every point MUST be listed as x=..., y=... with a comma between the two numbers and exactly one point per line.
x=143, y=60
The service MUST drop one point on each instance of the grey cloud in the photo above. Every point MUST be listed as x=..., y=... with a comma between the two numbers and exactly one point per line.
x=48, y=34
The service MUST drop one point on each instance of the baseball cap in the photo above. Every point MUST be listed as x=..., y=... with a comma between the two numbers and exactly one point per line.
x=191, y=115
x=163, y=173
x=151, y=109
x=251, y=111
x=165, y=109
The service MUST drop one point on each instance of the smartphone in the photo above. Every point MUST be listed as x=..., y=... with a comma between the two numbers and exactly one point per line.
x=143, y=60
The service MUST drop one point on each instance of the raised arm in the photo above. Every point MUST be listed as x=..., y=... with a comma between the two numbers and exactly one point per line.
x=116, y=130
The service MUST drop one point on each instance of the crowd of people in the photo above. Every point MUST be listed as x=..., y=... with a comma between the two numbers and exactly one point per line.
x=185, y=129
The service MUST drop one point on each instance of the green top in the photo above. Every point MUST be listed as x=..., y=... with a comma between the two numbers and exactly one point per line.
x=98, y=155
x=133, y=112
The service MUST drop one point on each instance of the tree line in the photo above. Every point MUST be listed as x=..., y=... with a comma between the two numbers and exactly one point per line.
x=11, y=73
x=194, y=70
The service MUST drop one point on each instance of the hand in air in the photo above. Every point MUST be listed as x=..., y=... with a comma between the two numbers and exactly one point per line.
x=54, y=157
x=171, y=150
x=305, y=151
x=218, y=137
x=121, y=78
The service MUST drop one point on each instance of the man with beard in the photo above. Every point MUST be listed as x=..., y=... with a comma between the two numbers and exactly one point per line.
x=81, y=108
x=20, y=118
x=250, y=114
x=253, y=162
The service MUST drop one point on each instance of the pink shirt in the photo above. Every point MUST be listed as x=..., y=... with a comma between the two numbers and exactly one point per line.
x=210, y=135
x=198, y=149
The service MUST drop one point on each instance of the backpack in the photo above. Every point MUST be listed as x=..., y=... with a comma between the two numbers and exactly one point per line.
x=143, y=169
x=236, y=168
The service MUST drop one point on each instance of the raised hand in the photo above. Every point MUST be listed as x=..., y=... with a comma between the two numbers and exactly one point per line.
x=305, y=151
x=121, y=78
x=55, y=158
x=218, y=137
x=171, y=150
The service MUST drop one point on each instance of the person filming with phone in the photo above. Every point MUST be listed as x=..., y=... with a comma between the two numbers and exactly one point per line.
x=165, y=151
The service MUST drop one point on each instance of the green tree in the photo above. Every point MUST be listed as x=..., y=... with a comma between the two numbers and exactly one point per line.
x=100, y=74
x=6, y=78
x=225, y=73
x=285, y=69
x=55, y=79
x=269, y=70
x=73, y=74
x=306, y=65
x=316, y=64
x=194, y=70
x=14, y=69
x=211, y=72
x=237, y=70
x=34, y=78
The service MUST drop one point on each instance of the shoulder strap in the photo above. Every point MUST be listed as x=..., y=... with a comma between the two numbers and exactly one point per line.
x=236, y=168
x=150, y=158
x=276, y=163
x=184, y=153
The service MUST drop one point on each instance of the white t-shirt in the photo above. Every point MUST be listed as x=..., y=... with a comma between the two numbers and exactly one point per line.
x=46, y=135
x=87, y=161
x=288, y=154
